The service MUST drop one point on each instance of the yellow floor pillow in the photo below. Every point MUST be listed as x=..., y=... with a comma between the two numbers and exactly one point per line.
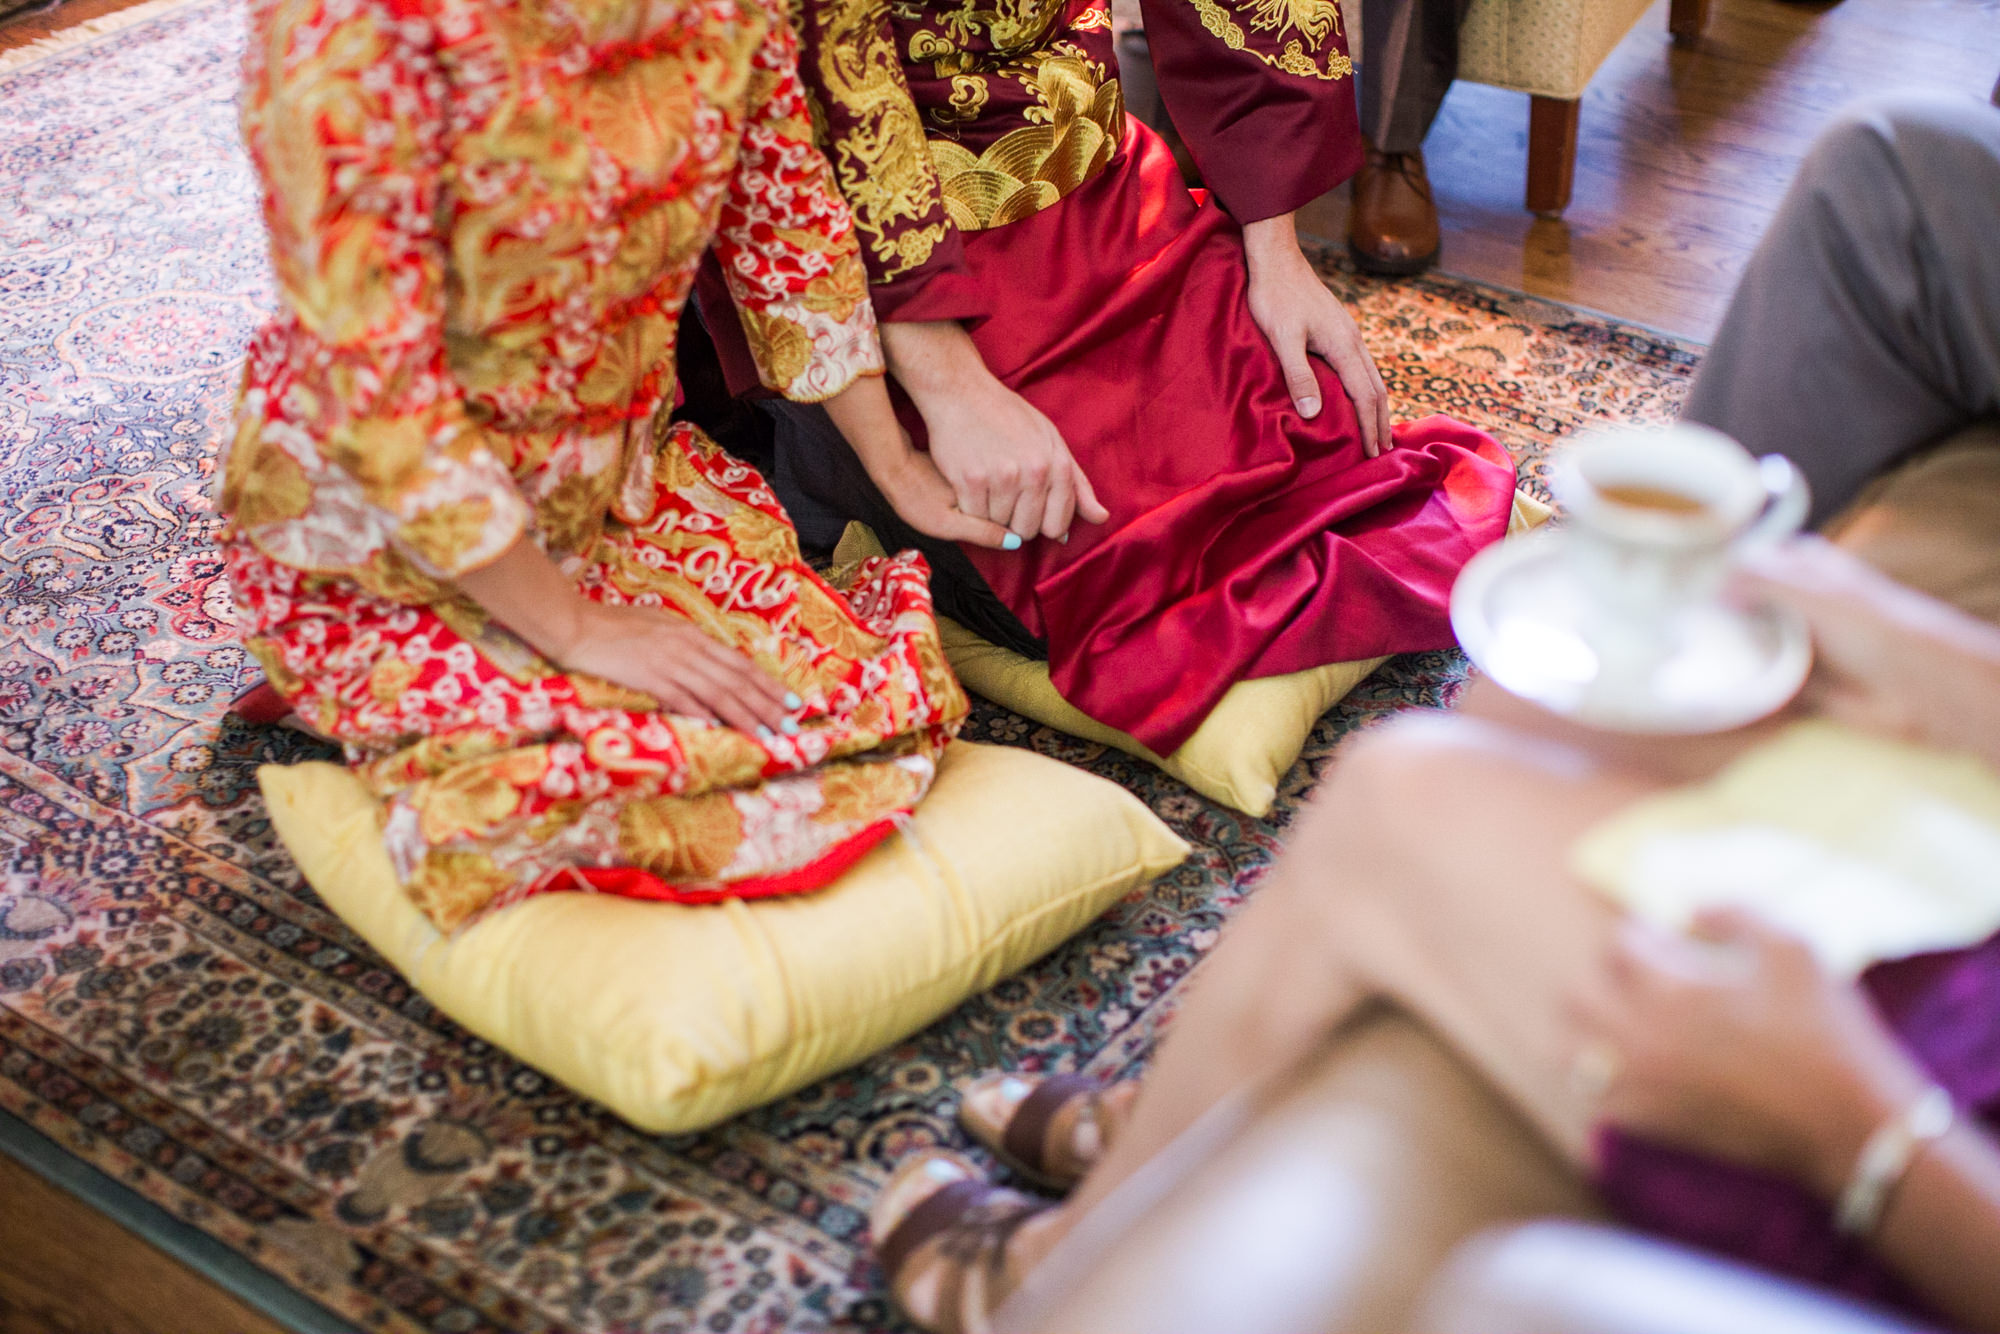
x=1241, y=751
x=679, y=1017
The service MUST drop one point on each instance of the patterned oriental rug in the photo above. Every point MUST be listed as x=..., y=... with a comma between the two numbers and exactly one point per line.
x=178, y=1012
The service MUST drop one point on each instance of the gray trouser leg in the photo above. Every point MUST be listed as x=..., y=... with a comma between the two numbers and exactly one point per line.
x=1409, y=56
x=1867, y=324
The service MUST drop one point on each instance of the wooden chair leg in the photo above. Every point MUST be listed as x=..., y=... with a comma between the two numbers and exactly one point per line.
x=1686, y=19
x=1551, y=154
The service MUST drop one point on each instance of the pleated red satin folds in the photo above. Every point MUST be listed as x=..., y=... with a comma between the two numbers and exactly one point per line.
x=1245, y=541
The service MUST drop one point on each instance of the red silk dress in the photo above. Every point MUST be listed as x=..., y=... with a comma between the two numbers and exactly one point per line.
x=995, y=179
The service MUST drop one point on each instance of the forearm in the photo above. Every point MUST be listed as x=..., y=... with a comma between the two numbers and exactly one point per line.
x=1941, y=1228
x=527, y=593
x=865, y=418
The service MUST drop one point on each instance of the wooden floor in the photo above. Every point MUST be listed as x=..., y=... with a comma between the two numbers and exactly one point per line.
x=1682, y=156
x=47, y=21
x=65, y=1269
x=1683, y=152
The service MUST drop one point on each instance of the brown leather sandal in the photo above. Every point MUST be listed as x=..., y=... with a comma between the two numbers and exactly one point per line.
x=958, y=1234
x=1038, y=1140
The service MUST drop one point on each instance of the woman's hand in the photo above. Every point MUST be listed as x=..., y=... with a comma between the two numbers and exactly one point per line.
x=1004, y=459
x=641, y=648
x=1890, y=659
x=1300, y=317
x=1738, y=1044
x=659, y=654
x=919, y=493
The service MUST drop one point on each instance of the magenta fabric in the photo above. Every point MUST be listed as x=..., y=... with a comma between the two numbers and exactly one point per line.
x=1946, y=1010
x=1245, y=540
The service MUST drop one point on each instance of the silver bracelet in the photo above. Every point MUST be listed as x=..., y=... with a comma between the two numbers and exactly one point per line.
x=1887, y=1156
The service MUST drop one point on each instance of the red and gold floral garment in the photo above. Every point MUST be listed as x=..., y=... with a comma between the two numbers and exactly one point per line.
x=485, y=216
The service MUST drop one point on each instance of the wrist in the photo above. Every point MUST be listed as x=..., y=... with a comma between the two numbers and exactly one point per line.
x=528, y=593
x=565, y=629
x=1886, y=1158
x=866, y=420
x=1271, y=244
x=1861, y=1103
x=932, y=358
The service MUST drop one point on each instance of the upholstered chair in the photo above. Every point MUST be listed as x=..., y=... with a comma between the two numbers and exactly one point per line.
x=1548, y=49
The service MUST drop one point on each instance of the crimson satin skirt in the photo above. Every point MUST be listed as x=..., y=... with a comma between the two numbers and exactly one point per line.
x=1244, y=540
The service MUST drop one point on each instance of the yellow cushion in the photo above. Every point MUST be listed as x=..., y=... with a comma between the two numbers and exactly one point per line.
x=1238, y=754
x=678, y=1017
x=1241, y=751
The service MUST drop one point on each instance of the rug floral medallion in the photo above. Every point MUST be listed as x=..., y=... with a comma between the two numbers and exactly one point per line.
x=178, y=1009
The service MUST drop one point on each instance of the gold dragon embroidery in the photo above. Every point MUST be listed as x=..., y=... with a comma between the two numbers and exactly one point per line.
x=1313, y=20
x=879, y=157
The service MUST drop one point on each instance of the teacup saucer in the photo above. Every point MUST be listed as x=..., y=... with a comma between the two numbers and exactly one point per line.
x=1523, y=619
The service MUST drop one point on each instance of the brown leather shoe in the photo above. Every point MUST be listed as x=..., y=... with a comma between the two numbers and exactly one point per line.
x=1392, y=225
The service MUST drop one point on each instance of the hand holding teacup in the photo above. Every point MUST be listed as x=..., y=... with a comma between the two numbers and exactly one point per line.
x=1619, y=619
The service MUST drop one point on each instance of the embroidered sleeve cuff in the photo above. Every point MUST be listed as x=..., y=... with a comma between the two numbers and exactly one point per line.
x=463, y=516
x=810, y=355
x=1262, y=95
x=939, y=289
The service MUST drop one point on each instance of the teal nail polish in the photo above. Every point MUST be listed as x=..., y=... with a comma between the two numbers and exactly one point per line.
x=792, y=700
x=765, y=733
x=790, y=727
x=1012, y=542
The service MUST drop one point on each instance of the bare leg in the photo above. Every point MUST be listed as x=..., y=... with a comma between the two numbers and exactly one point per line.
x=1429, y=869
x=1329, y=1211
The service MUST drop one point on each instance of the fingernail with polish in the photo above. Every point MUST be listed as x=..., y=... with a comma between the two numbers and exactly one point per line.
x=764, y=732
x=1064, y=539
x=1308, y=407
x=792, y=700
x=1011, y=542
x=790, y=727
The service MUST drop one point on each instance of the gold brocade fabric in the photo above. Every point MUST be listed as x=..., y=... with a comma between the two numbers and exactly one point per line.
x=1032, y=167
x=485, y=217
x=1018, y=103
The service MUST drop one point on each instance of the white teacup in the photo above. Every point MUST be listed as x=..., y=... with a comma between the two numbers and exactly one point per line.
x=1657, y=518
